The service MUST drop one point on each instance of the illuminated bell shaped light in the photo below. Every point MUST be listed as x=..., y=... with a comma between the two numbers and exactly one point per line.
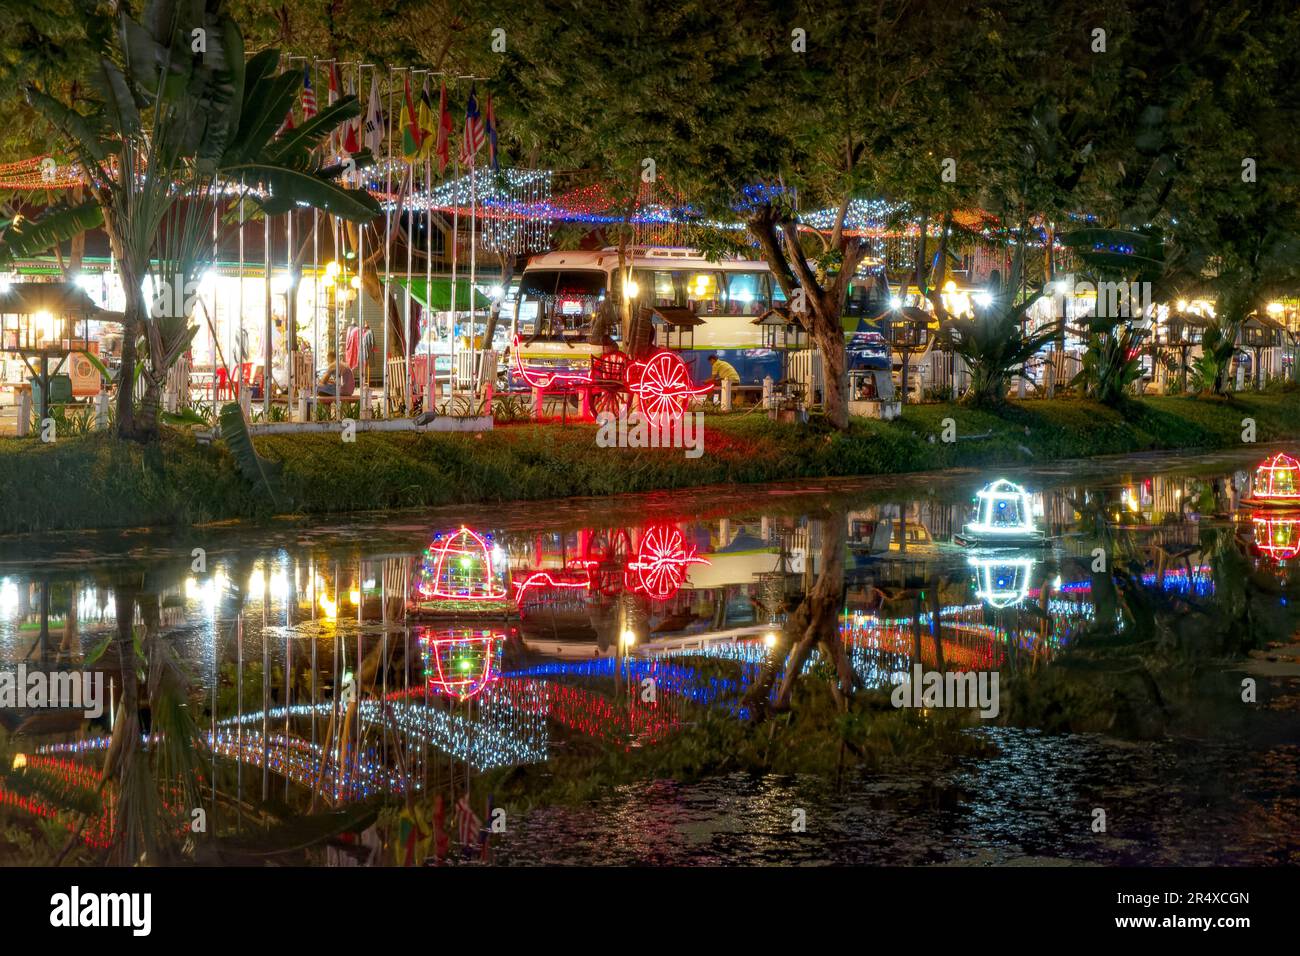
x=1002, y=582
x=461, y=662
x=1278, y=479
x=1004, y=508
x=1277, y=536
x=460, y=567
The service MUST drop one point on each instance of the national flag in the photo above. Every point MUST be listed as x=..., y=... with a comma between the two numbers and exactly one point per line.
x=412, y=135
x=439, y=830
x=410, y=837
x=467, y=824
x=443, y=147
x=287, y=125
x=308, y=95
x=374, y=135
x=474, y=133
x=332, y=97
x=493, y=159
x=352, y=132
x=426, y=122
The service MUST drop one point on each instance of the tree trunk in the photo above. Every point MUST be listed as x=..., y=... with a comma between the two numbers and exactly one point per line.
x=835, y=374
x=146, y=423
x=820, y=610
x=132, y=327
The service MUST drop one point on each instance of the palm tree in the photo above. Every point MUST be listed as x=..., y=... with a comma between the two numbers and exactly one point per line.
x=995, y=346
x=180, y=130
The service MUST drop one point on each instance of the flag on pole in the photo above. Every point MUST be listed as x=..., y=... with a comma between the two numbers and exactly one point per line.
x=443, y=148
x=493, y=158
x=287, y=125
x=351, y=132
x=374, y=135
x=308, y=95
x=426, y=122
x=474, y=132
x=332, y=97
x=467, y=824
x=412, y=135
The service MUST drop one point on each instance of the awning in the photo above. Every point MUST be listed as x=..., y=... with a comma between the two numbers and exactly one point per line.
x=441, y=289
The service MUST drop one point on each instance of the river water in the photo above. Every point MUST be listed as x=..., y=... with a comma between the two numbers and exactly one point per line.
x=515, y=636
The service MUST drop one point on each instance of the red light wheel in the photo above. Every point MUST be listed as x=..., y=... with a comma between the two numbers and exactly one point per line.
x=663, y=387
x=662, y=562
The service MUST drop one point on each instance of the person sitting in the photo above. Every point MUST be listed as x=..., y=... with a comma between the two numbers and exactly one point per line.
x=722, y=371
x=328, y=385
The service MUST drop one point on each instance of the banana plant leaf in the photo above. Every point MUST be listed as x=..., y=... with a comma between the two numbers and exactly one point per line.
x=58, y=224
x=256, y=470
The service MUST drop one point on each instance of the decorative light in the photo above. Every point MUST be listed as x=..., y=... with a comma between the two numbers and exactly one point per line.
x=663, y=387
x=1277, y=481
x=895, y=303
x=631, y=289
x=1004, y=508
x=662, y=562
x=983, y=299
x=460, y=568
x=332, y=270
x=1002, y=582
x=629, y=638
x=461, y=662
x=1277, y=536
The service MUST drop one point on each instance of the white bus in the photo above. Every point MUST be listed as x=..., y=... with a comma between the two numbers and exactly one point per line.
x=561, y=293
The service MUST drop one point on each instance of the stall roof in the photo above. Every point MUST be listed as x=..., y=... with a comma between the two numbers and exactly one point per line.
x=441, y=294
x=674, y=316
x=57, y=298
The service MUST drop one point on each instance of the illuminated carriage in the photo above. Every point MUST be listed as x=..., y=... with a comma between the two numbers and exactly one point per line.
x=606, y=566
x=660, y=383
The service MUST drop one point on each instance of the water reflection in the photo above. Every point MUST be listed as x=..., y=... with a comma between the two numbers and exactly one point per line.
x=328, y=673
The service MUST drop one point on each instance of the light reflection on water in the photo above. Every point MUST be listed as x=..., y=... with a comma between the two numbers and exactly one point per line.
x=488, y=647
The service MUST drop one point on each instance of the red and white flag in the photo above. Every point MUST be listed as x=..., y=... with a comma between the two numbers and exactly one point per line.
x=475, y=134
x=308, y=95
x=467, y=824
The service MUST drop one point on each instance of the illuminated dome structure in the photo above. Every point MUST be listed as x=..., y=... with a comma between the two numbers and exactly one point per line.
x=461, y=572
x=1276, y=484
x=1002, y=582
x=460, y=662
x=1277, y=536
x=1004, y=517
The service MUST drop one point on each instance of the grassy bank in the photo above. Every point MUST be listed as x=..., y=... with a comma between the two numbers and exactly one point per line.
x=97, y=482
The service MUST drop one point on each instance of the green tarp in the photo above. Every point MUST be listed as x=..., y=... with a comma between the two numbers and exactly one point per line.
x=441, y=293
